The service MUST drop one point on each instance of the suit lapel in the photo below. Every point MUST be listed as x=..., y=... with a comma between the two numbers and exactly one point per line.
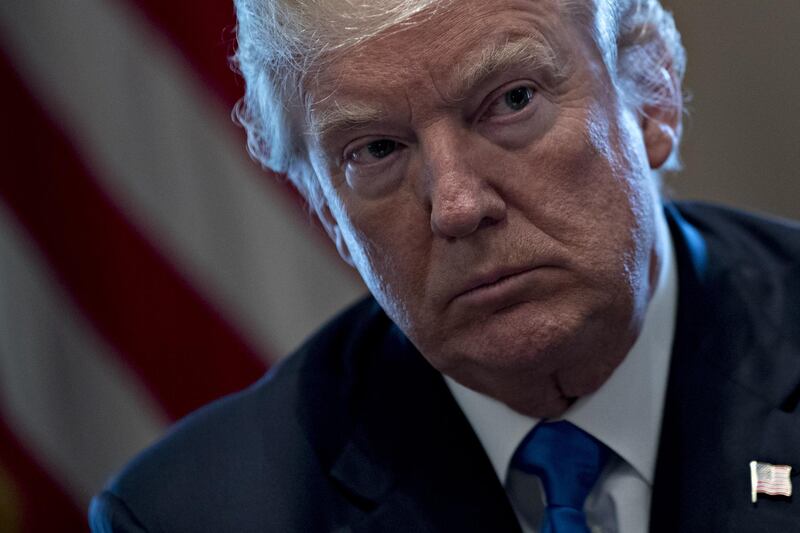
x=724, y=397
x=412, y=461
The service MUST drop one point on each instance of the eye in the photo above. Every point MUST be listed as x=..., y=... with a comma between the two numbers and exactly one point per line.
x=510, y=102
x=373, y=151
x=373, y=166
x=518, y=98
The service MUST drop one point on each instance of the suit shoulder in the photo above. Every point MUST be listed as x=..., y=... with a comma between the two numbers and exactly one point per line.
x=245, y=455
x=751, y=288
x=745, y=233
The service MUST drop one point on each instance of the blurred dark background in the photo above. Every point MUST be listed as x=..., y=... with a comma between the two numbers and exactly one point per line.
x=742, y=133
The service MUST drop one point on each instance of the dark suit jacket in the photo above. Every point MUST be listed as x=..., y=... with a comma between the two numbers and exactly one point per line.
x=356, y=432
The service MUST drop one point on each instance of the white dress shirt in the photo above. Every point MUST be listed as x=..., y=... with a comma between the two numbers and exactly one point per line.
x=624, y=413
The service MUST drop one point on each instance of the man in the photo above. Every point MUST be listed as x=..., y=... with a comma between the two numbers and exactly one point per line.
x=489, y=168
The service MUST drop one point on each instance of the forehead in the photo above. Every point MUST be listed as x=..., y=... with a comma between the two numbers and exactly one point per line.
x=427, y=48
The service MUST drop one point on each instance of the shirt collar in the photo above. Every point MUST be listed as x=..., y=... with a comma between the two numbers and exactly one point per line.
x=624, y=413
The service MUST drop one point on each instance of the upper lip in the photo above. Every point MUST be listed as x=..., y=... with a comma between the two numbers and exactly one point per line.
x=490, y=278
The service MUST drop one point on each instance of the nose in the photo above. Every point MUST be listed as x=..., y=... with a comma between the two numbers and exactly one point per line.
x=461, y=197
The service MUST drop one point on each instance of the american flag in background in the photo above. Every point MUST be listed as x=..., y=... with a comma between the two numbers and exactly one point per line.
x=147, y=266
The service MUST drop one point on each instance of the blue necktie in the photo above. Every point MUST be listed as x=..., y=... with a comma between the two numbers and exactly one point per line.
x=568, y=461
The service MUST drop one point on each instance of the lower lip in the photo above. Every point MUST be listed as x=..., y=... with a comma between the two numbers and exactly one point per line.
x=507, y=291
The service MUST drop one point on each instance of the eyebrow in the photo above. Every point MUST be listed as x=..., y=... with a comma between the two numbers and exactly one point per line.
x=474, y=70
x=532, y=52
x=345, y=117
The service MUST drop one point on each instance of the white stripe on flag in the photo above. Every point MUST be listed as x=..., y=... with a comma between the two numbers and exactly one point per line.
x=69, y=401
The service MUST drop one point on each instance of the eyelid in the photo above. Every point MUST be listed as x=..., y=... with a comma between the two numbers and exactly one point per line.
x=362, y=143
x=500, y=92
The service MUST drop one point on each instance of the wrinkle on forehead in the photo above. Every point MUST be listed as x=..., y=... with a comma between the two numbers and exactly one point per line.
x=531, y=52
x=484, y=54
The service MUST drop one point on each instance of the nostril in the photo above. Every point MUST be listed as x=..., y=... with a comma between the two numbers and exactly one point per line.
x=488, y=222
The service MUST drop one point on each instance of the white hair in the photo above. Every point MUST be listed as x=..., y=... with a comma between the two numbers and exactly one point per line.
x=280, y=41
x=642, y=50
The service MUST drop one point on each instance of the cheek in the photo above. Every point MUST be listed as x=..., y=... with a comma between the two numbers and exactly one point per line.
x=564, y=185
x=389, y=245
x=613, y=180
x=588, y=187
x=625, y=205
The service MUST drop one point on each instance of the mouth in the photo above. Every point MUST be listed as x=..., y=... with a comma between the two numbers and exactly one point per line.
x=497, y=285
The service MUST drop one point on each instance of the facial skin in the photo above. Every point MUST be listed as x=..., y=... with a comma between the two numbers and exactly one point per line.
x=509, y=231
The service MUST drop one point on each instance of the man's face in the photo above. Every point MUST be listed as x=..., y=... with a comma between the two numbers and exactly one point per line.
x=494, y=195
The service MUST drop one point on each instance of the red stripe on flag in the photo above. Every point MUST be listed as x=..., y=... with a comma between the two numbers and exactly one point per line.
x=43, y=504
x=203, y=33
x=183, y=351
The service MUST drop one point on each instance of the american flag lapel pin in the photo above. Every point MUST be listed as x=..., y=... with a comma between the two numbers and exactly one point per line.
x=770, y=479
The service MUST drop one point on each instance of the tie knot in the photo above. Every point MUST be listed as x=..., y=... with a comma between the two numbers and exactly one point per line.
x=566, y=459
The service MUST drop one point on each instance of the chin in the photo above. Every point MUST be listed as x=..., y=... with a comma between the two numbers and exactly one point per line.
x=538, y=363
x=501, y=349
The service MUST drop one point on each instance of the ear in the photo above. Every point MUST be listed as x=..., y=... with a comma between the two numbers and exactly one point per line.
x=661, y=121
x=334, y=232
